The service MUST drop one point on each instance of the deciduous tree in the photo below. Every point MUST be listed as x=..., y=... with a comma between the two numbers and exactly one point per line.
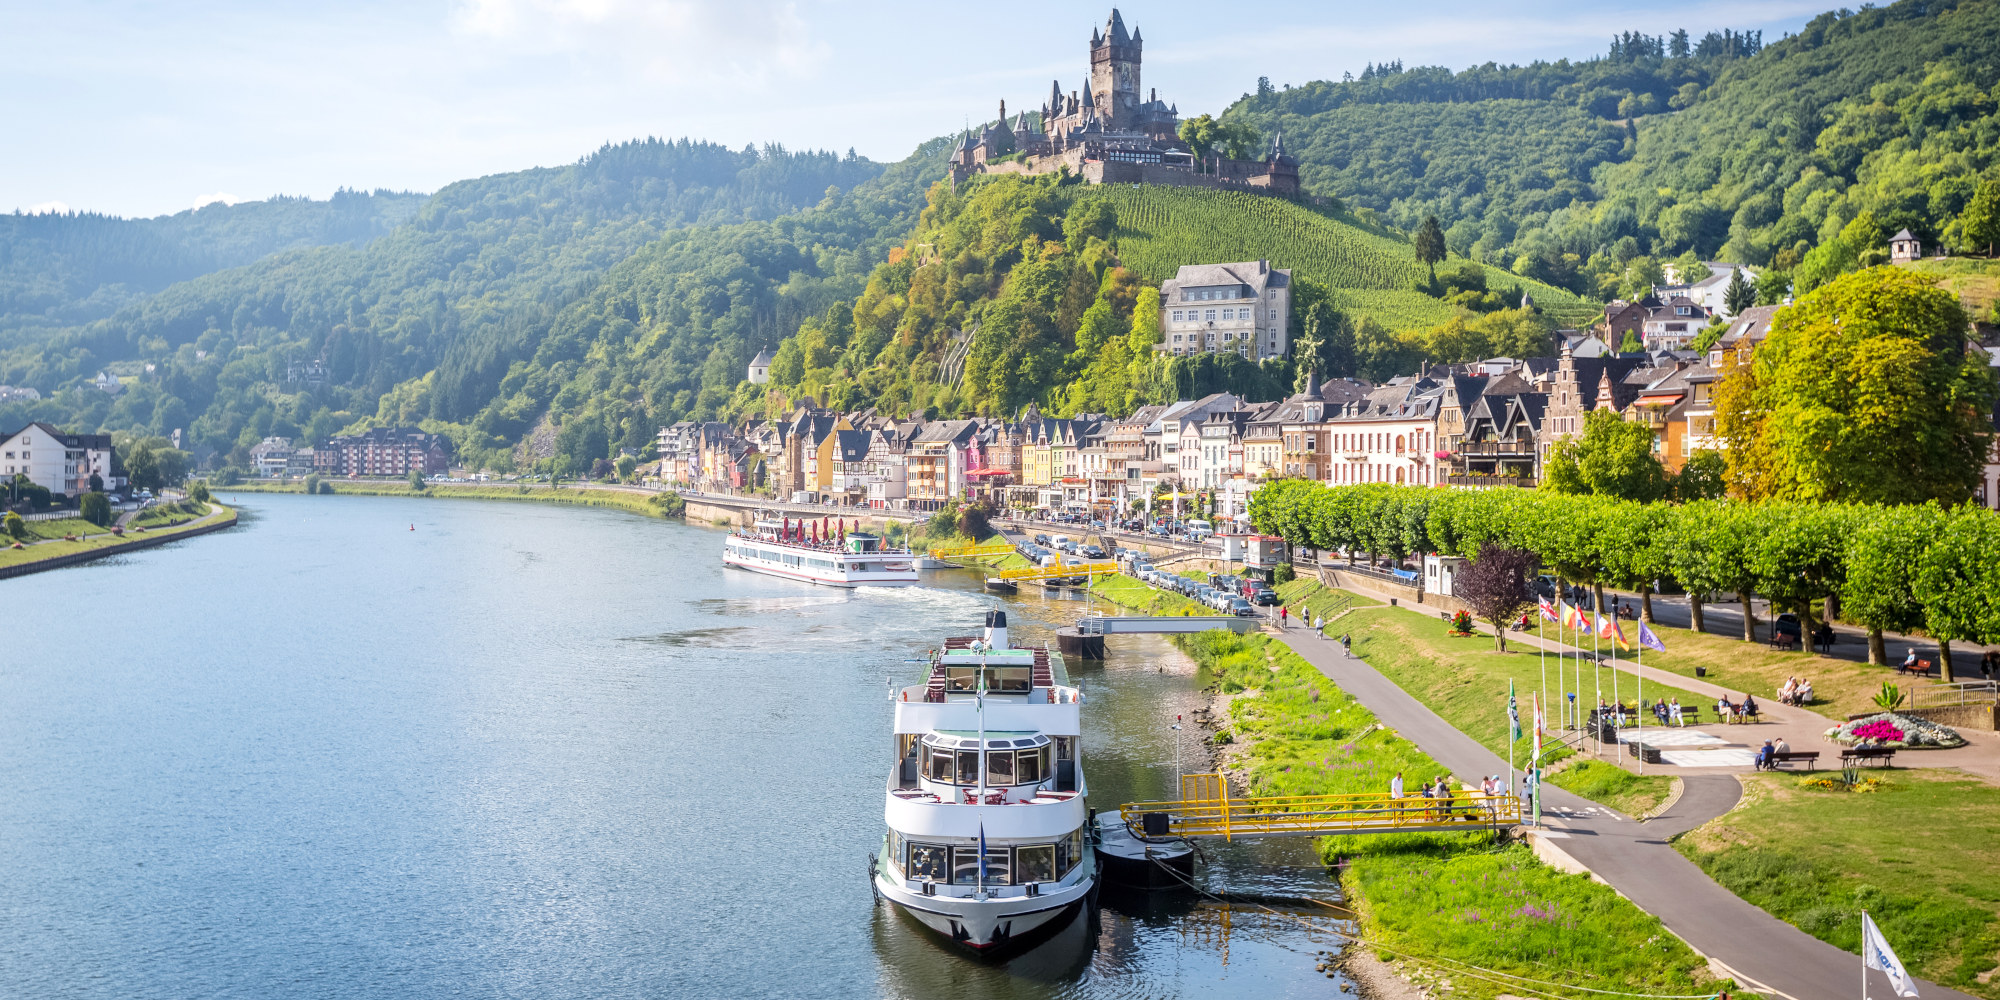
x=1885, y=553
x=1495, y=587
x=1958, y=582
x=1864, y=391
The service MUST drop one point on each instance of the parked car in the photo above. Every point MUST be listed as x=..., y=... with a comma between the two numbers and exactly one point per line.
x=1041, y=539
x=1093, y=552
x=1241, y=608
x=1265, y=598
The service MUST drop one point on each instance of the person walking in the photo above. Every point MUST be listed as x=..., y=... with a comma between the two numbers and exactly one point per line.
x=1319, y=626
x=1347, y=646
x=1284, y=617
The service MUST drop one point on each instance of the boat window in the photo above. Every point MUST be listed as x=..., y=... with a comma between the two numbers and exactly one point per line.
x=1029, y=766
x=968, y=767
x=1062, y=857
x=929, y=861
x=999, y=767
x=1035, y=864
x=965, y=678
x=1011, y=680
x=1065, y=748
x=1074, y=842
x=896, y=848
x=965, y=865
x=940, y=769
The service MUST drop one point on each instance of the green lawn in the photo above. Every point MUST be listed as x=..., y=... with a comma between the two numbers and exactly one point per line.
x=1840, y=687
x=1920, y=852
x=1321, y=600
x=1632, y=794
x=60, y=527
x=1464, y=680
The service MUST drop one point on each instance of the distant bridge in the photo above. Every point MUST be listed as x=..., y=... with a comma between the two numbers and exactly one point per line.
x=1162, y=624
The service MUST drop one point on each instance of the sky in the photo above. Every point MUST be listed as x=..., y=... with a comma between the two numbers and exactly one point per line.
x=140, y=109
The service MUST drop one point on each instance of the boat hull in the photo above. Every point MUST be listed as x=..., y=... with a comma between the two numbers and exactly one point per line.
x=991, y=926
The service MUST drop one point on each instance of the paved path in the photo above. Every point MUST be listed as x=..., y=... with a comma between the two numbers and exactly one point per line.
x=1760, y=951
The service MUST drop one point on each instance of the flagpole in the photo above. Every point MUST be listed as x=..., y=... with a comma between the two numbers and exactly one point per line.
x=1513, y=728
x=1640, y=736
x=1618, y=709
x=1597, y=678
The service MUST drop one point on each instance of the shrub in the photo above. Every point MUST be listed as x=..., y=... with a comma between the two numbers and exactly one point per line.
x=1283, y=574
x=312, y=483
x=16, y=526
x=95, y=508
x=1889, y=698
x=198, y=491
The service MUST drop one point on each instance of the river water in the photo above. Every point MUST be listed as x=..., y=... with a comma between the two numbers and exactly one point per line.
x=531, y=751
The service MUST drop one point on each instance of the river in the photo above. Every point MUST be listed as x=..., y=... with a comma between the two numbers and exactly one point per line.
x=368, y=747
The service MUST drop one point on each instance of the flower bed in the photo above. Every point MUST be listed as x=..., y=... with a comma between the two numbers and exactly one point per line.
x=1891, y=729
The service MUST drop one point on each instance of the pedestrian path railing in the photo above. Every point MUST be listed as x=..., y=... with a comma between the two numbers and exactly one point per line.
x=1207, y=809
x=1059, y=568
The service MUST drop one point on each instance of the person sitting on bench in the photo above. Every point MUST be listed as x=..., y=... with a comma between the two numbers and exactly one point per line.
x=1766, y=757
x=1748, y=709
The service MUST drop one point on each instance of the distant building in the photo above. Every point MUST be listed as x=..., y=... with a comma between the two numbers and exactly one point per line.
x=9, y=393
x=1240, y=308
x=1904, y=246
x=760, y=367
x=384, y=451
x=59, y=462
x=270, y=456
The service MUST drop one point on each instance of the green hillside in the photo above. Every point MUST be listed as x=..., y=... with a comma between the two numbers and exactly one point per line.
x=1722, y=148
x=1368, y=271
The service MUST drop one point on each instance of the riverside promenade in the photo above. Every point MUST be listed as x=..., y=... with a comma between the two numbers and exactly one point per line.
x=1762, y=953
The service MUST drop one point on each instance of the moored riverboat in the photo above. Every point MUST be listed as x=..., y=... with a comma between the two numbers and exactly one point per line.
x=820, y=552
x=988, y=841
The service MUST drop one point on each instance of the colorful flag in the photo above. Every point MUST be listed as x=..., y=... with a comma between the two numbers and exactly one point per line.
x=1549, y=611
x=1608, y=627
x=1513, y=715
x=1540, y=722
x=1649, y=640
x=1577, y=619
x=982, y=855
x=1876, y=954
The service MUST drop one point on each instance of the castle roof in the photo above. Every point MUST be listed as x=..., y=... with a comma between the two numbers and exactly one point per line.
x=1114, y=30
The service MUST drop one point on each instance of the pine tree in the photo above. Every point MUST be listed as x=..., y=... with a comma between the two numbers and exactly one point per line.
x=1740, y=294
x=1430, y=245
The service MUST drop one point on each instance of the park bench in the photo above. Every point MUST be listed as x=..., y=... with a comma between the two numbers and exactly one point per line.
x=1923, y=668
x=1809, y=757
x=1853, y=756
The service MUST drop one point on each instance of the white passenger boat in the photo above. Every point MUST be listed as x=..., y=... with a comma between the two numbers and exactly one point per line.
x=822, y=552
x=987, y=839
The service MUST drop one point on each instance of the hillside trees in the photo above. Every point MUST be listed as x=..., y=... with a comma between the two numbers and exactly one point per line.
x=1429, y=244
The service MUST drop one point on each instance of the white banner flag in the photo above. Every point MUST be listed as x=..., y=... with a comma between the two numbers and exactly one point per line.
x=1876, y=954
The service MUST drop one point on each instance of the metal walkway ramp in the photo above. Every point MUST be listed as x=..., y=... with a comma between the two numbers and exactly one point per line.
x=997, y=547
x=1207, y=810
x=1167, y=624
x=1059, y=568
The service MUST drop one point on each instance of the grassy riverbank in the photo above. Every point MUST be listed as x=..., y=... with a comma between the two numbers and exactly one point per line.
x=1916, y=851
x=1434, y=902
x=649, y=504
x=1146, y=600
x=100, y=539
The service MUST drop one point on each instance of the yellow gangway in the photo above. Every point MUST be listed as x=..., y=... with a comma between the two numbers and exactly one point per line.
x=994, y=547
x=1206, y=809
x=1059, y=568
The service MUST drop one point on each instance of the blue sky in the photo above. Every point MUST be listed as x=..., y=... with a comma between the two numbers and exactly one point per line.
x=146, y=108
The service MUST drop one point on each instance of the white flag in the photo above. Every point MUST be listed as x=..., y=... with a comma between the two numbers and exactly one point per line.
x=1876, y=954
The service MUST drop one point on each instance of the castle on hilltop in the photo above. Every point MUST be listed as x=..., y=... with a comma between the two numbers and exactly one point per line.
x=1107, y=135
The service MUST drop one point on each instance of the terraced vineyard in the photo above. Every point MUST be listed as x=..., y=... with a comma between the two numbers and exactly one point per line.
x=1370, y=273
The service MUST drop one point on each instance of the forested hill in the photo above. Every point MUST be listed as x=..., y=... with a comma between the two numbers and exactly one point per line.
x=1722, y=146
x=60, y=269
x=472, y=284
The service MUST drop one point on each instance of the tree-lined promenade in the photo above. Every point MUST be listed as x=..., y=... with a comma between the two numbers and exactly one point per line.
x=1885, y=568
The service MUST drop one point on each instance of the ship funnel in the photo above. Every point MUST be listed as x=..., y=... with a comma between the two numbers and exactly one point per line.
x=996, y=630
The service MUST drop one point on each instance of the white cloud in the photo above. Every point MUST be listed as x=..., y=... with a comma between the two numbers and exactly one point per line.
x=49, y=208
x=222, y=196
x=696, y=46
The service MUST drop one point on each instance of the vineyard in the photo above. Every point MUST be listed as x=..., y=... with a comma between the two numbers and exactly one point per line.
x=1369, y=272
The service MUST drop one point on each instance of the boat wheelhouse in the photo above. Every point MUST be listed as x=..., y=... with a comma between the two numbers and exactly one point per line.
x=988, y=840
x=820, y=553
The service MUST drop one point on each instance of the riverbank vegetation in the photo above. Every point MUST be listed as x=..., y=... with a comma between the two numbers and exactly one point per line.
x=1913, y=848
x=633, y=501
x=1144, y=599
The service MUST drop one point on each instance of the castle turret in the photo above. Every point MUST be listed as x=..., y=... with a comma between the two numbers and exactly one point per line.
x=1114, y=73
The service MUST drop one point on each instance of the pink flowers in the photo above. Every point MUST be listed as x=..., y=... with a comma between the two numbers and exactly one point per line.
x=1881, y=729
x=1534, y=912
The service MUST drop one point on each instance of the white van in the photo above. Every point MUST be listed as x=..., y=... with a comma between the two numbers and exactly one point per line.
x=1199, y=529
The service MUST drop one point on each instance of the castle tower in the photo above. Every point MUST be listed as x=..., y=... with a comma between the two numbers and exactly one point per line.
x=1114, y=74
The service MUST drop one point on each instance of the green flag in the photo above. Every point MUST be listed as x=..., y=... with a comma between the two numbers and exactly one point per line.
x=1513, y=715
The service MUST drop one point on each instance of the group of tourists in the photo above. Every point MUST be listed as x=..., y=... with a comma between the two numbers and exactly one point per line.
x=1797, y=691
